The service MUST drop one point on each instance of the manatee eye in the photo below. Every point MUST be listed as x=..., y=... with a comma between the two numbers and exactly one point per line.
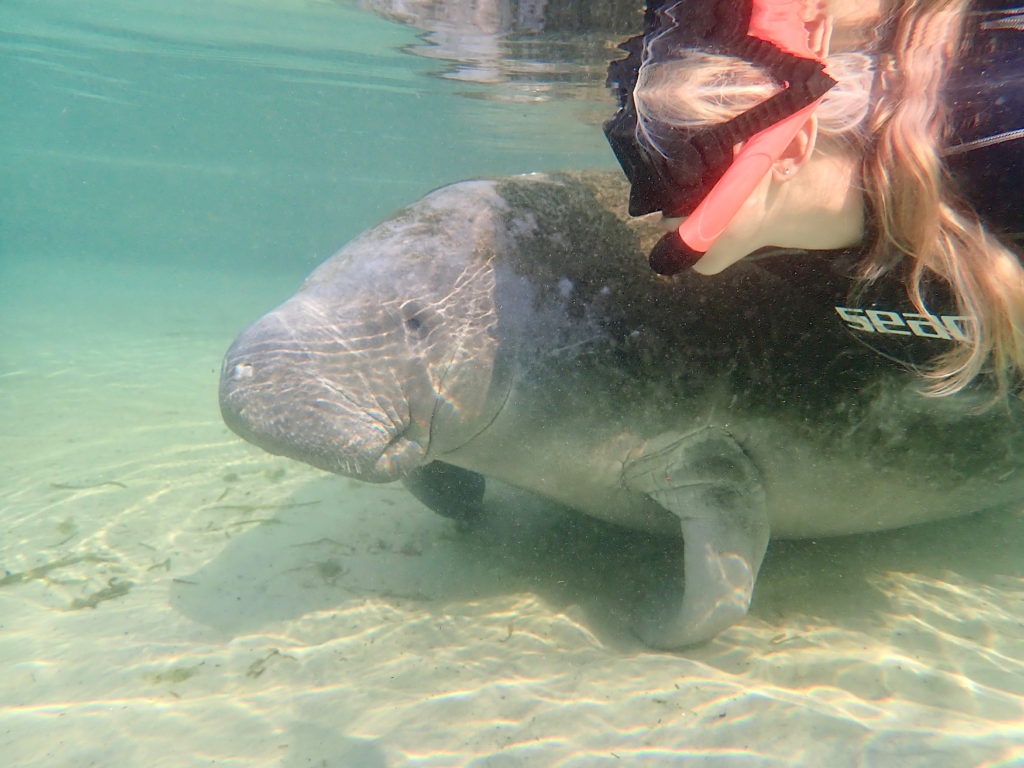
x=418, y=320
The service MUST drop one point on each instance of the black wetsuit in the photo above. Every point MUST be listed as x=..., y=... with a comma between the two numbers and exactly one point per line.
x=985, y=93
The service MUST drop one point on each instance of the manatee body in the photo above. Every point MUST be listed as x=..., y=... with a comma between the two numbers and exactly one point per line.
x=512, y=329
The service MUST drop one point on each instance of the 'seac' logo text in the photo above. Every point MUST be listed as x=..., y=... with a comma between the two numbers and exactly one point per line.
x=950, y=327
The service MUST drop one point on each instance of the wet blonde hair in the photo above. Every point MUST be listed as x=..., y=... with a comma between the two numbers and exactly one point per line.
x=898, y=127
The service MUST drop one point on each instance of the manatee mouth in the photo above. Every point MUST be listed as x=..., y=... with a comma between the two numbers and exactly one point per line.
x=269, y=403
x=399, y=457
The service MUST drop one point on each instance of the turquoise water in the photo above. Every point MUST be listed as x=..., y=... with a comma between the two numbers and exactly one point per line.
x=170, y=596
x=251, y=135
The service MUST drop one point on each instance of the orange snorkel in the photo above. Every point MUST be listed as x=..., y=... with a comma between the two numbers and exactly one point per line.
x=702, y=178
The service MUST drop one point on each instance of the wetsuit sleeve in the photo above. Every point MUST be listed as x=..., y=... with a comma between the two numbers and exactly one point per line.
x=985, y=94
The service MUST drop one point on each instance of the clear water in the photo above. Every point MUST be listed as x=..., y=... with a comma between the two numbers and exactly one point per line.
x=170, y=596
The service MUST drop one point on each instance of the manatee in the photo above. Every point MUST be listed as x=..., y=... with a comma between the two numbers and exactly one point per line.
x=512, y=329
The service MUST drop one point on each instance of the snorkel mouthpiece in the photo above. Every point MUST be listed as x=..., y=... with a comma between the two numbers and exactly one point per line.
x=672, y=255
x=703, y=178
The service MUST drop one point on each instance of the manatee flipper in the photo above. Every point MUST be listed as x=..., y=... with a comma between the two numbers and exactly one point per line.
x=710, y=484
x=448, y=490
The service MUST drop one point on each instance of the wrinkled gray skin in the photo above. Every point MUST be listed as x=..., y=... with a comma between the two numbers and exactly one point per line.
x=513, y=329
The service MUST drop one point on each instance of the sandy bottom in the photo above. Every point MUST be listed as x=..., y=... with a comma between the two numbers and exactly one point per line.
x=170, y=596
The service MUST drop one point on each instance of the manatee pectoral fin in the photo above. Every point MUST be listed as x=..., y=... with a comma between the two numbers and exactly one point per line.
x=448, y=490
x=711, y=485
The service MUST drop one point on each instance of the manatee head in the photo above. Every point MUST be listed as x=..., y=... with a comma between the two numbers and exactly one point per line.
x=386, y=357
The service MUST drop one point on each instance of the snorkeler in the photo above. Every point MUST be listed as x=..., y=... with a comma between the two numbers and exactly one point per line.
x=895, y=129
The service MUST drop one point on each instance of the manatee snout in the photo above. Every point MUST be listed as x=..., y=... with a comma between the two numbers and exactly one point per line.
x=290, y=385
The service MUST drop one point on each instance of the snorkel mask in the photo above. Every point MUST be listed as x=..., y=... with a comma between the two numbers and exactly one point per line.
x=698, y=175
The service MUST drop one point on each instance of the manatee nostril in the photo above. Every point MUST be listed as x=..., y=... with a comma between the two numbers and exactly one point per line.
x=241, y=372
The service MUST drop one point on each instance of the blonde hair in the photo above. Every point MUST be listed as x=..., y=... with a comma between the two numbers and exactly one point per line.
x=918, y=214
x=898, y=128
